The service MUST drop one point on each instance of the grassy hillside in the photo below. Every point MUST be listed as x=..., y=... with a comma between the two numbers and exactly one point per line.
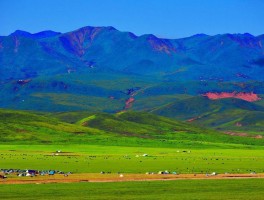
x=29, y=127
x=124, y=128
x=222, y=114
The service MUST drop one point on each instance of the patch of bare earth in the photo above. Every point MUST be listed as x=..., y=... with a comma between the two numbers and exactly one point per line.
x=243, y=134
x=89, y=177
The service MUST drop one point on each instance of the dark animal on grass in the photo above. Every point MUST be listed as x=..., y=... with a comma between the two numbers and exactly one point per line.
x=2, y=177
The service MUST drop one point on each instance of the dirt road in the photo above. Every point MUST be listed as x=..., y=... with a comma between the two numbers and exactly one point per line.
x=90, y=177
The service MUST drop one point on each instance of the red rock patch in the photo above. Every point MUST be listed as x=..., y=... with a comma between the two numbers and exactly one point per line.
x=129, y=102
x=250, y=97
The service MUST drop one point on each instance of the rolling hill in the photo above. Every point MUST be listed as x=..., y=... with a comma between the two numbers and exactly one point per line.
x=125, y=129
x=223, y=114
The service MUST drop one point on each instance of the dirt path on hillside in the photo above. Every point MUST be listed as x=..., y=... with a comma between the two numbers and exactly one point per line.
x=243, y=134
x=74, y=178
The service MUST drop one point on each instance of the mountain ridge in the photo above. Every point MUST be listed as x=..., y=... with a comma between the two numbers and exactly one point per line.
x=38, y=35
x=151, y=34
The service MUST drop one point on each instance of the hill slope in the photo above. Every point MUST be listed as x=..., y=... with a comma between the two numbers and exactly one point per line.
x=128, y=129
x=223, y=114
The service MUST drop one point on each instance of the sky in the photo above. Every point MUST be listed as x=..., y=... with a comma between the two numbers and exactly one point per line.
x=163, y=18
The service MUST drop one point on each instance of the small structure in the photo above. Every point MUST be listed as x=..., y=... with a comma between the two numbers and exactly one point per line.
x=214, y=174
x=51, y=172
x=164, y=172
x=31, y=172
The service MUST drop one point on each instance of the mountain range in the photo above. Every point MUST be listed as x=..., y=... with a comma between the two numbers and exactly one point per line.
x=200, y=79
x=199, y=57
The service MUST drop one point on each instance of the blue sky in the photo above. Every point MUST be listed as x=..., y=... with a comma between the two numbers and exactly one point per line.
x=164, y=18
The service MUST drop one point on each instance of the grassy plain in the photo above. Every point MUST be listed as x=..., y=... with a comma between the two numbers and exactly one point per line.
x=95, y=142
x=94, y=159
x=250, y=189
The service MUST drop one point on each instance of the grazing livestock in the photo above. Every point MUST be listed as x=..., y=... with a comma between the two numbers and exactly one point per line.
x=2, y=177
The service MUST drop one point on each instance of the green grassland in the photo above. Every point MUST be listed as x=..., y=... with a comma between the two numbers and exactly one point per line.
x=95, y=158
x=116, y=142
x=250, y=189
x=91, y=142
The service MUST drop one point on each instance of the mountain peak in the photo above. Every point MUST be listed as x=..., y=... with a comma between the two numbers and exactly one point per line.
x=91, y=28
x=248, y=35
x=76, y=41
x=39, y=35
x=45, y=34
x=239, y=35
x=111, y=28
x=200, y=35
x=21, y=33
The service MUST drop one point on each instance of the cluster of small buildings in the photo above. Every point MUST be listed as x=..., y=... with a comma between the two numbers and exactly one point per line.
x=31, y=172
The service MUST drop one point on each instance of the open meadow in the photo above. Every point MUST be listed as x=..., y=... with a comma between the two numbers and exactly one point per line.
x=239, y=189
x=114, y=159
x=149, y=154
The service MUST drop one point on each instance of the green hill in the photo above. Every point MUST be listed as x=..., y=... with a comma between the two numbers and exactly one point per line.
x=29, y=127
x=124, y=128
x=222, y=114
